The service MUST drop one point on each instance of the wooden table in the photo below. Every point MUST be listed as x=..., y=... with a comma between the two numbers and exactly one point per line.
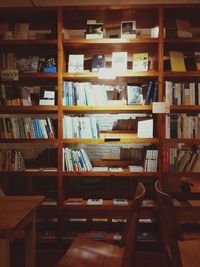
x=17, y=213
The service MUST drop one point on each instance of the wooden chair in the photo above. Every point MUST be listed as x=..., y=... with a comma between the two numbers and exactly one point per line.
x=180, y=252
x=85, y=252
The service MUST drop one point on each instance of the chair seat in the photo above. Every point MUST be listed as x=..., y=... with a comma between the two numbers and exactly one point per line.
x=85, y=252
x=190, y=253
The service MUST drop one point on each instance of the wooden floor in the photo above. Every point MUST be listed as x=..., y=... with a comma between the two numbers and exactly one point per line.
x=49, y=257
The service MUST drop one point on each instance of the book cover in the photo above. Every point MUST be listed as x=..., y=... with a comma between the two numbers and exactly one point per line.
x=120, y=202
x=197, y=60
x=95, y=201
x=21, y=31
x=119, y=61
x=76, y=63
x=134, y=94
x=183, y=28
x=94, y=29
x=177, y=61
x=128, y=29
x=98, y=62
x=149, y=93
x=28, y=64
x=145, y=129
x=140, y=62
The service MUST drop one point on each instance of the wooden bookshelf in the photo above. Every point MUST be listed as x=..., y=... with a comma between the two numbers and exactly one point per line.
x=73, y=18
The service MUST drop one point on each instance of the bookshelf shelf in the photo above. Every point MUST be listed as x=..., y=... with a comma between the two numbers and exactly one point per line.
x=111, y=140
x=127, y=74
x=39, y=141
x=185, y=141
x=28, y=42
x=183, y=108
x=109, y=109
x=182, y=40
x=175, y=74
x=28, y=109
x=116, y=174
x=38, y=76
x=30, y=173
x=114, y=41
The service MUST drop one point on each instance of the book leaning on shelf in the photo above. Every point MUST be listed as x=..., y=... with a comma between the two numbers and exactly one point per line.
x=75, y=160
x=11, y=160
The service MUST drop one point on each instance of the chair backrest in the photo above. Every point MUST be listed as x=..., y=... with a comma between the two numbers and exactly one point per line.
x=169, y=224
x=129, y=236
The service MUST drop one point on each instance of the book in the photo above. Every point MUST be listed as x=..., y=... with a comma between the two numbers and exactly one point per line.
x=134, y=94
x=183, y=28
x=145, y=129
x=28, y=64
x=21, y=31
x=197, y=60
x=119, y=61
x=76, y=63
x=140, y=62
x=128, y=29
x=94, y=29
x=135, y=168
x=177, y=61
x=149, y=93
x=100, y=169
x=115, y=169
x=98, y=62
x=73, y=201
x=95, y=201
x=120, y=202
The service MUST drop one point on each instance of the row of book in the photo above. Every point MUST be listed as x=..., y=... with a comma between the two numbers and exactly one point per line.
x=119, y=60
x=76, y=160
x=181, y=159
x=182, y=126
x=187, y=93
x=92, y=201
x=27, y=128
x=151, y=160
x=23, y=31
x=80, y=127
x=13, y=95
x=11, y=160
x=87, y=94
x=28, y=64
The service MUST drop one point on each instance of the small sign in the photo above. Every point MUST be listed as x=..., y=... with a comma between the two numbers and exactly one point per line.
x=161, y=107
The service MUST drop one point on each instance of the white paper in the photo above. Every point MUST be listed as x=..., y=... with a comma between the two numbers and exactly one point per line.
x=161, y=107
x=49, y=94
x=145, y=129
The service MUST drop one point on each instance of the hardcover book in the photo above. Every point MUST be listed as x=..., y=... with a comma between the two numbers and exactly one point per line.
x=28, y=64
x=197, y=60
x=128, y=29
x=177, y=61
x=94, y=29
x=76, y=63
x=120, y=202
x=134, y=94
x=140, y=62
x=183, y=28
x=119, y=61
x=98, y=62
x=95, y=201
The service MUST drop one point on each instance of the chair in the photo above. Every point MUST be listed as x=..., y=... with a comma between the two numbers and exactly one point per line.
x=180, y=252
x=85, y=252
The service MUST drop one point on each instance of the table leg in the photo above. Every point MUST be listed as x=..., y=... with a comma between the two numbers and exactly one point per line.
x=4, y=253
x=30, y=251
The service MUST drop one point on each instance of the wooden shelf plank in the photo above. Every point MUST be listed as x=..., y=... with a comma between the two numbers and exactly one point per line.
x=29, y=42
x=104, y=41
x=116, y=141
x=25, y=109
x=103, y=174
x=40, y=141
x=181, y=74
x=110, y=109
x=183, y=140
x=177, y=40
x=128, y=73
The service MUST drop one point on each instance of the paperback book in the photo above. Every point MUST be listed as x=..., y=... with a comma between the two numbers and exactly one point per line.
x=134, y=94
x=94, y=29
x=140, y=62
x=128, y=29
x=119, y=61
x=120, y=202
x=76, y=63
x=98, y=62
x=95, y=201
